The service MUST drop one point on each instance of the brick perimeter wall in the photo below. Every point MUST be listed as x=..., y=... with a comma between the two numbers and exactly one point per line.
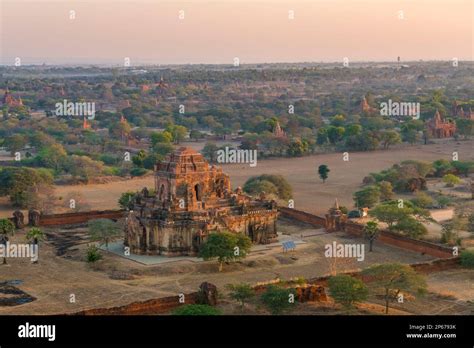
x=80, y=217
x=149, y=307
x=302, y=216
x=386, y=237
x=167, y=304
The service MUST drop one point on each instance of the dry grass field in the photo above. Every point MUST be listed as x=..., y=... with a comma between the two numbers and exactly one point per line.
x=310, y=194
x=117, y=281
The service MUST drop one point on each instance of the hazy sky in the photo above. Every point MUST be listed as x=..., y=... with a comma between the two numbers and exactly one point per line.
x=150, y=31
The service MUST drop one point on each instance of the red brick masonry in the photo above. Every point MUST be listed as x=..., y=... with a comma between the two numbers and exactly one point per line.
x=387, y=237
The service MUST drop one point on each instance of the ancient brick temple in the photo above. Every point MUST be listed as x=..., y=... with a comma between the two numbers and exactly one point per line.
x=365, y=107
x=438, y=128
x=458, y=111
x=9, y=100
x=193, y=199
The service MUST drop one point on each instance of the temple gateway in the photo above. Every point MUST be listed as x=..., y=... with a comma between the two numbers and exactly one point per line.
x=191, y=200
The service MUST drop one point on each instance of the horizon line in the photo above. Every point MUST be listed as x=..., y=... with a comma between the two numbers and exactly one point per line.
x=142, y=64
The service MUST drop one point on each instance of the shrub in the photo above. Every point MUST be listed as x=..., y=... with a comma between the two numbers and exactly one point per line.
x=347, y=290
x=451, y=180
x=138, y=171
x=443, y=201
x=241, y=292
x=109, y=159
x=467, y=258
x=442, y=167
x=126, y=200
x=93, y=254
x=422, y=200
x=277, y=299
x=196, y=309
x=448, y=234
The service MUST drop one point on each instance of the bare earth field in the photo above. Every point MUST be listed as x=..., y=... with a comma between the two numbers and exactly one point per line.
x=310, y=194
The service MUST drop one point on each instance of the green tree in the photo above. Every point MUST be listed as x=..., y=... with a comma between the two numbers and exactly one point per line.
x=269, y=183
x=17, y=181
x=389, y=137
x=7, y=228
x=422, y=200
x=470, y=223
x=15, y=143
x=443, y=201
x=322, y=136
x=367, y=197
x=366, y=141
x=53, y=156
x=35, y=235
x=151, y=159
x=104, y=231
x=410, y=131
x=277, y=299
x=178, y=133
x=323, y=171
x=347, y=290
x=225, y=247
x=84, y=167
x=448, y=234
x=195, y=134
x=338, y=121
x=371, y=232
x=256, y=187
x=126, y=200
x=120, y=130
x=394, y=278
x=467, y=258
x=335, y=134
x=161, y=137
x=353, y=130
x=139, y=158
x=463, y=167
x=162, y=149
x=442, y=167
x=196, y=309
x=451, y=180
x=241, y=292
x=210, y=152
x=390, y=213
x=411, y=227
x=386, y=190
x=465, y=127
x=297, y=148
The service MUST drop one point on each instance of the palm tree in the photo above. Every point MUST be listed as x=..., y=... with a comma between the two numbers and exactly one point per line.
x=35, y=235
x=6, y=228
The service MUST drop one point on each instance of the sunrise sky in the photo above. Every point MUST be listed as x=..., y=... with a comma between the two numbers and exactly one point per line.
x=150, y=31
